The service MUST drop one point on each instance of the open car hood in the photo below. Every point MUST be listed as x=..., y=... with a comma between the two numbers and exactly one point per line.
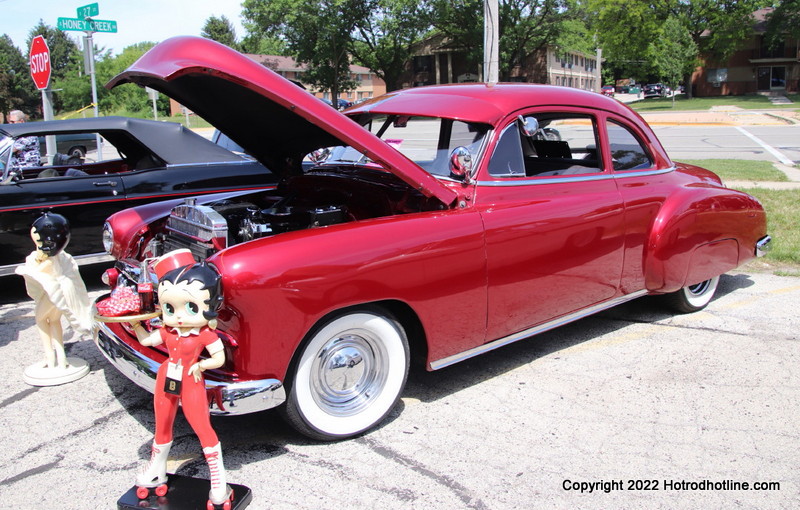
x=273, y=119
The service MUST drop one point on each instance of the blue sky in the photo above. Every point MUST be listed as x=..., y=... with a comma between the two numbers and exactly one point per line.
x=137, y=20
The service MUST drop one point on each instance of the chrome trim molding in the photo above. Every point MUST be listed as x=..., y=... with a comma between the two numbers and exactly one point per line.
x=230, y=398
x=82, y=260
x=599, y=176
x=763, y=246
x=95, y=258
x=547, y=326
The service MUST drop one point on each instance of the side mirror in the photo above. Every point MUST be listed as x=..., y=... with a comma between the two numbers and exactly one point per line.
x=461, y=164
x=528, y=126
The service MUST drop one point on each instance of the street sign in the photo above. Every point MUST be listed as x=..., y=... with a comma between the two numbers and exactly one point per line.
x=87, y=25
x=87, y=11
x=40, y=62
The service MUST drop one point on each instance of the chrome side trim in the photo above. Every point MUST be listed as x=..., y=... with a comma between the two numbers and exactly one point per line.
x=763, y=246
x=210, y=163
x=547, y=326
x=600, y=176
x=230, y=398
x=94, y=258
x=621, y=174
x=82, y=260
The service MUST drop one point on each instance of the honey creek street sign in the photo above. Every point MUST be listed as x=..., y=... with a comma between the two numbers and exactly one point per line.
x=87, y=25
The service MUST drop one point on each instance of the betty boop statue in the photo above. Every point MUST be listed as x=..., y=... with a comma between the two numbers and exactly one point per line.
x=53, y=281
x=189, y=296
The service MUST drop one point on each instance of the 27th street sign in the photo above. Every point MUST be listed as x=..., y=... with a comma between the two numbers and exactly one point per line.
x=87, y=25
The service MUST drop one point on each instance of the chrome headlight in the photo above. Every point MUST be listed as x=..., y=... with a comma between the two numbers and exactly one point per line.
x=108, y=238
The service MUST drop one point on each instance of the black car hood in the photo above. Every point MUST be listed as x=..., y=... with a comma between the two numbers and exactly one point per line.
x=273, y=119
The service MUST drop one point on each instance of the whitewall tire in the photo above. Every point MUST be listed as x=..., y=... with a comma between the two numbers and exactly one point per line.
x=693, y=298
x=349, y=375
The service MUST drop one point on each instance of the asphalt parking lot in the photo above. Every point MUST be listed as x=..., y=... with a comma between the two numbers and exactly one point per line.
x=633, y=408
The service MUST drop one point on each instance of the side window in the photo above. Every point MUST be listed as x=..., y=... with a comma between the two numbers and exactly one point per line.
x=557, y=143
x=627, y=152
x=507, y=159
x=76, y=155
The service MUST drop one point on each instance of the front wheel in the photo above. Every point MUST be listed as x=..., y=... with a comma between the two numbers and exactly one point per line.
x=349, y=375
x=693, y=297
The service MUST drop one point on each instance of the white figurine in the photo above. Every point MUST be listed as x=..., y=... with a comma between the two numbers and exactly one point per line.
x=53, y=281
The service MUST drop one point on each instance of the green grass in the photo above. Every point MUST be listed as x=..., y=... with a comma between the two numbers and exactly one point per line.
x=194, y=121
x=752, y=102
x=783, y=211
x=740, y=170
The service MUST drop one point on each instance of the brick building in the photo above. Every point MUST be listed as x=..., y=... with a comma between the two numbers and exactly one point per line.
x=753, y=68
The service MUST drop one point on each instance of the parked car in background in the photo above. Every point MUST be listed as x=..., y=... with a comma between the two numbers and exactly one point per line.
x=71, y=145
x=655, y=90
x=437, y=224
x=608, y=90
x=142, y=161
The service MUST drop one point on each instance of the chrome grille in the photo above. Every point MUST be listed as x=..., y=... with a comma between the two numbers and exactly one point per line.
x=194, y=227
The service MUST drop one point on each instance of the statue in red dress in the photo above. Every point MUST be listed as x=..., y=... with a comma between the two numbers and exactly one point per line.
x=189, y=295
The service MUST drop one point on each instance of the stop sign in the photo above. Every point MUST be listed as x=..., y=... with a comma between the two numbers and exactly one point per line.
x=40, y=62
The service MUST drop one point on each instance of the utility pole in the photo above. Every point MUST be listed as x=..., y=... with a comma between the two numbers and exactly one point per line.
x=491, y=44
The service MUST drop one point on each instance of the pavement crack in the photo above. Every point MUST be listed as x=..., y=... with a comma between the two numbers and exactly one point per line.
x=18, y=396
x=459, y=490
x=676, y=326
x=33, y=471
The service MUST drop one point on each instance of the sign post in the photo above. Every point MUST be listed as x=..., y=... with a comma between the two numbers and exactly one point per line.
x=39, y=60
x=85, y=23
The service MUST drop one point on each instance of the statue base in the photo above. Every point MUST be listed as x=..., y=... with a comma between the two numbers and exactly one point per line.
x=39, y=374
x=183, y=493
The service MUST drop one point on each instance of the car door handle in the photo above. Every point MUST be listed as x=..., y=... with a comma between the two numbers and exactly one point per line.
x=105, y=183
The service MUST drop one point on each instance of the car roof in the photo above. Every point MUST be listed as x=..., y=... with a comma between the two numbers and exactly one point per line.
x=481, y=102
x=170, y=141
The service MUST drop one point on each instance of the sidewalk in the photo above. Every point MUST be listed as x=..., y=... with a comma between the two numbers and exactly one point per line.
x=792, y=173
x=718, y=115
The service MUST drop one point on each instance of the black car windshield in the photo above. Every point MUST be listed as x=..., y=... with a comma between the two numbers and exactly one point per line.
x=427, y=141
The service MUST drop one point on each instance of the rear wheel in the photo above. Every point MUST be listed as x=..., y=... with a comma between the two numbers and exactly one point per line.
x=693, y=297
x=349, y=375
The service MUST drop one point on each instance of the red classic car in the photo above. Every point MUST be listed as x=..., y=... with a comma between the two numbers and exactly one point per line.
x=432, y=223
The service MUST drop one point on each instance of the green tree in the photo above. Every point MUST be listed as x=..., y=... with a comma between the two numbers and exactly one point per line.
x=525, y=26
x=673, y=54
x=784, y=22
x=461, y=22
x=126, y=99
x=318, y=33
x=384, y=40
x=626, y=30
x=17, y=90
x=220, y=30
x=263, y=45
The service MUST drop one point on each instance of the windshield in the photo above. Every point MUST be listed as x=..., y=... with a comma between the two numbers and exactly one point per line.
x=427, y=141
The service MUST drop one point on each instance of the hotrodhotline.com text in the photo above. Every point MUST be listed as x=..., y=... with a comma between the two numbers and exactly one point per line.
x=668, y=485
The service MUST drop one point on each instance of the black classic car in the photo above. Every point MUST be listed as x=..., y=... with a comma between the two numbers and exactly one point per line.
x=139, y=161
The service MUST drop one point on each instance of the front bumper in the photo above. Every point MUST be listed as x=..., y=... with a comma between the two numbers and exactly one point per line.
x=227, y=398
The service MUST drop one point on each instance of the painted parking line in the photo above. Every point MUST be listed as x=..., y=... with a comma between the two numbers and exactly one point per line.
x=772, y=150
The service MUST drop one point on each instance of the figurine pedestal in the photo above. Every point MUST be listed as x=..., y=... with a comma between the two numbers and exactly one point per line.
x=39, y=374
x=184, y=493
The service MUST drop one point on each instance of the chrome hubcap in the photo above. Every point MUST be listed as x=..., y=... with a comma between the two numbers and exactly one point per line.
x=349, y=373
x=699, y=289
